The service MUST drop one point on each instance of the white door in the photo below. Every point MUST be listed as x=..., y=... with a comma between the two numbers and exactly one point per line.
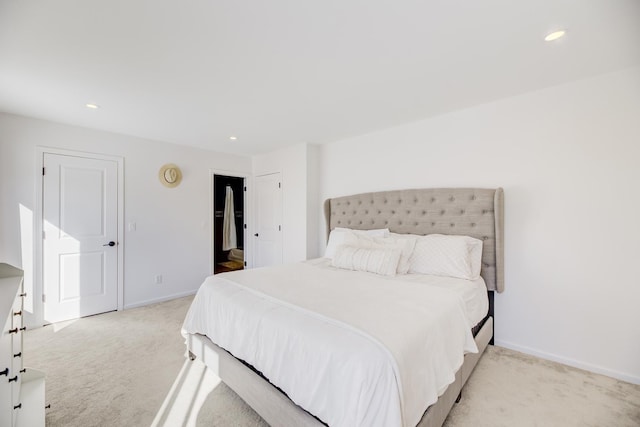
x=268, y=235
x=80, y=247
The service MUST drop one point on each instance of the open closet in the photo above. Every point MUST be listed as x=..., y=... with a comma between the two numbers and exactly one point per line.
x=228, y=223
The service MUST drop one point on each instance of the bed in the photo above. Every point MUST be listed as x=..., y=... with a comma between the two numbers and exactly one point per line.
x=344, y=343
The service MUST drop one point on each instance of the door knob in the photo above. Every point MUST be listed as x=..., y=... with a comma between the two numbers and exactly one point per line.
x=256, y=234
x=110, y=244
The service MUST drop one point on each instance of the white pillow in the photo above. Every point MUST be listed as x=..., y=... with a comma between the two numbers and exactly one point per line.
x=338, y=235
x=405, y=244
x=443, y=255
x=382, y=261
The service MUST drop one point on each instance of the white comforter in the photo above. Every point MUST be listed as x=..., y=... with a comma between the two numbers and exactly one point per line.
x=352, y=348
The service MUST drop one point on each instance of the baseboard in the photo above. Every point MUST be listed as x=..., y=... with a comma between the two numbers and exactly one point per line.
x=160, y=299
x=570, y=362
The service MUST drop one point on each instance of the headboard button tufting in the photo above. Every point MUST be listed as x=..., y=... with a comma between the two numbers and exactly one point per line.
x=426, y=211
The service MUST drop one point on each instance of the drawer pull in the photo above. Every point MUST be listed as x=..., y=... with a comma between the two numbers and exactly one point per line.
x=24, y=294
x=48, y=406
x=5, y=372
x=23, y=370
x=13, y=379
x=24, y=328
x=18, y=354
x=18, y=406
x=13, y=331
x=18, y=313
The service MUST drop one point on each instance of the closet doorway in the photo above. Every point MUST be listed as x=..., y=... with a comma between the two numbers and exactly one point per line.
x=228, y=223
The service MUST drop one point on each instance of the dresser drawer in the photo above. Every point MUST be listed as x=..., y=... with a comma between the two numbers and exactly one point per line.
x=6, y=344
x=18, y=407
x=17, y=334
x=17, y=373
x=6, y=372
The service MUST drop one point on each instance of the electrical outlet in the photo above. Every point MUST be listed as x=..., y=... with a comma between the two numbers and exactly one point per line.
x=158, y=279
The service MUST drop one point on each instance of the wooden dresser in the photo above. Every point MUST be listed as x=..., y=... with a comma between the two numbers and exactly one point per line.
x=21, y=389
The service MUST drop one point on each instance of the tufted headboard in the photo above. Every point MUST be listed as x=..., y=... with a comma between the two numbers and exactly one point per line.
x=475, y=212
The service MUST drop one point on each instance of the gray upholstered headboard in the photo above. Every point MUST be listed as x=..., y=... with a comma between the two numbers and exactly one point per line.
x=475, y=212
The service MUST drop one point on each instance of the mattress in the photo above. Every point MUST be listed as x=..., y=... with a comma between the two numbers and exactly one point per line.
x=351, y=348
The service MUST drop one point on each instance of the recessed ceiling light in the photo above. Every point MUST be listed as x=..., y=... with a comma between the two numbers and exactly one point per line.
x=233, y=138
x=92, y=106
x=554, y=36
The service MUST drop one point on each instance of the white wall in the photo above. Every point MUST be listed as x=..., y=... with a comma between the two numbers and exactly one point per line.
x=173, y=226
x=298, y=166
x=568, y=158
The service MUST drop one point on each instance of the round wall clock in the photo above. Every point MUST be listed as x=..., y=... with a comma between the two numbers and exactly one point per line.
x=170, y=175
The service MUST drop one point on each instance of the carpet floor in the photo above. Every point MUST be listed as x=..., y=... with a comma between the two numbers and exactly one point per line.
x=128, y=369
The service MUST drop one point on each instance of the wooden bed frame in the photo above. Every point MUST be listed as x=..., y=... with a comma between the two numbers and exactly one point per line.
x=468, y=211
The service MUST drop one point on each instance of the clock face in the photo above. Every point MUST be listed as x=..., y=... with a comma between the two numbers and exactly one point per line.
x=170, y=175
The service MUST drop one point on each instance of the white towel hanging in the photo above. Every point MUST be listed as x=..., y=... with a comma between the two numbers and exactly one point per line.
x=229, y=240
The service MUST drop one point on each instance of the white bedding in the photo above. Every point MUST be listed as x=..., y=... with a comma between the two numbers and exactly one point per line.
x=352, y=348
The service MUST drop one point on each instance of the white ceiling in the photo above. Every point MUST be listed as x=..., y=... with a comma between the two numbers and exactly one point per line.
x=280, y=72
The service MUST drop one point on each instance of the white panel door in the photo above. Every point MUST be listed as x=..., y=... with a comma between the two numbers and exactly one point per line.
x=80, y=224
x=268, y=236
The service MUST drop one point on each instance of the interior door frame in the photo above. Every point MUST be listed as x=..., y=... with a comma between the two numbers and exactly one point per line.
x=38, y=279
x=248, y=207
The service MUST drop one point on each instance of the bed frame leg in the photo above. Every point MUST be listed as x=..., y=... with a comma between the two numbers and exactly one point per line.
x=491, y=312
x=459, y=397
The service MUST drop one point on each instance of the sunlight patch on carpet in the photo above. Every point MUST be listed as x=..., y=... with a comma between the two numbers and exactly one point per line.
x=187, y=395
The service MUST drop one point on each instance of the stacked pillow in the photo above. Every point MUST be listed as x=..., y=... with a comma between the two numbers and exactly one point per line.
x=385, y=253
x=446, y=255
x=338, y=236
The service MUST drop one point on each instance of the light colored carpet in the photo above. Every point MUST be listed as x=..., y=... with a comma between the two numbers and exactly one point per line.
x=128, y=369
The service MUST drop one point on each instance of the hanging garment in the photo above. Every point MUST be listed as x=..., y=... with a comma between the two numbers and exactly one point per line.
x=229, y=223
